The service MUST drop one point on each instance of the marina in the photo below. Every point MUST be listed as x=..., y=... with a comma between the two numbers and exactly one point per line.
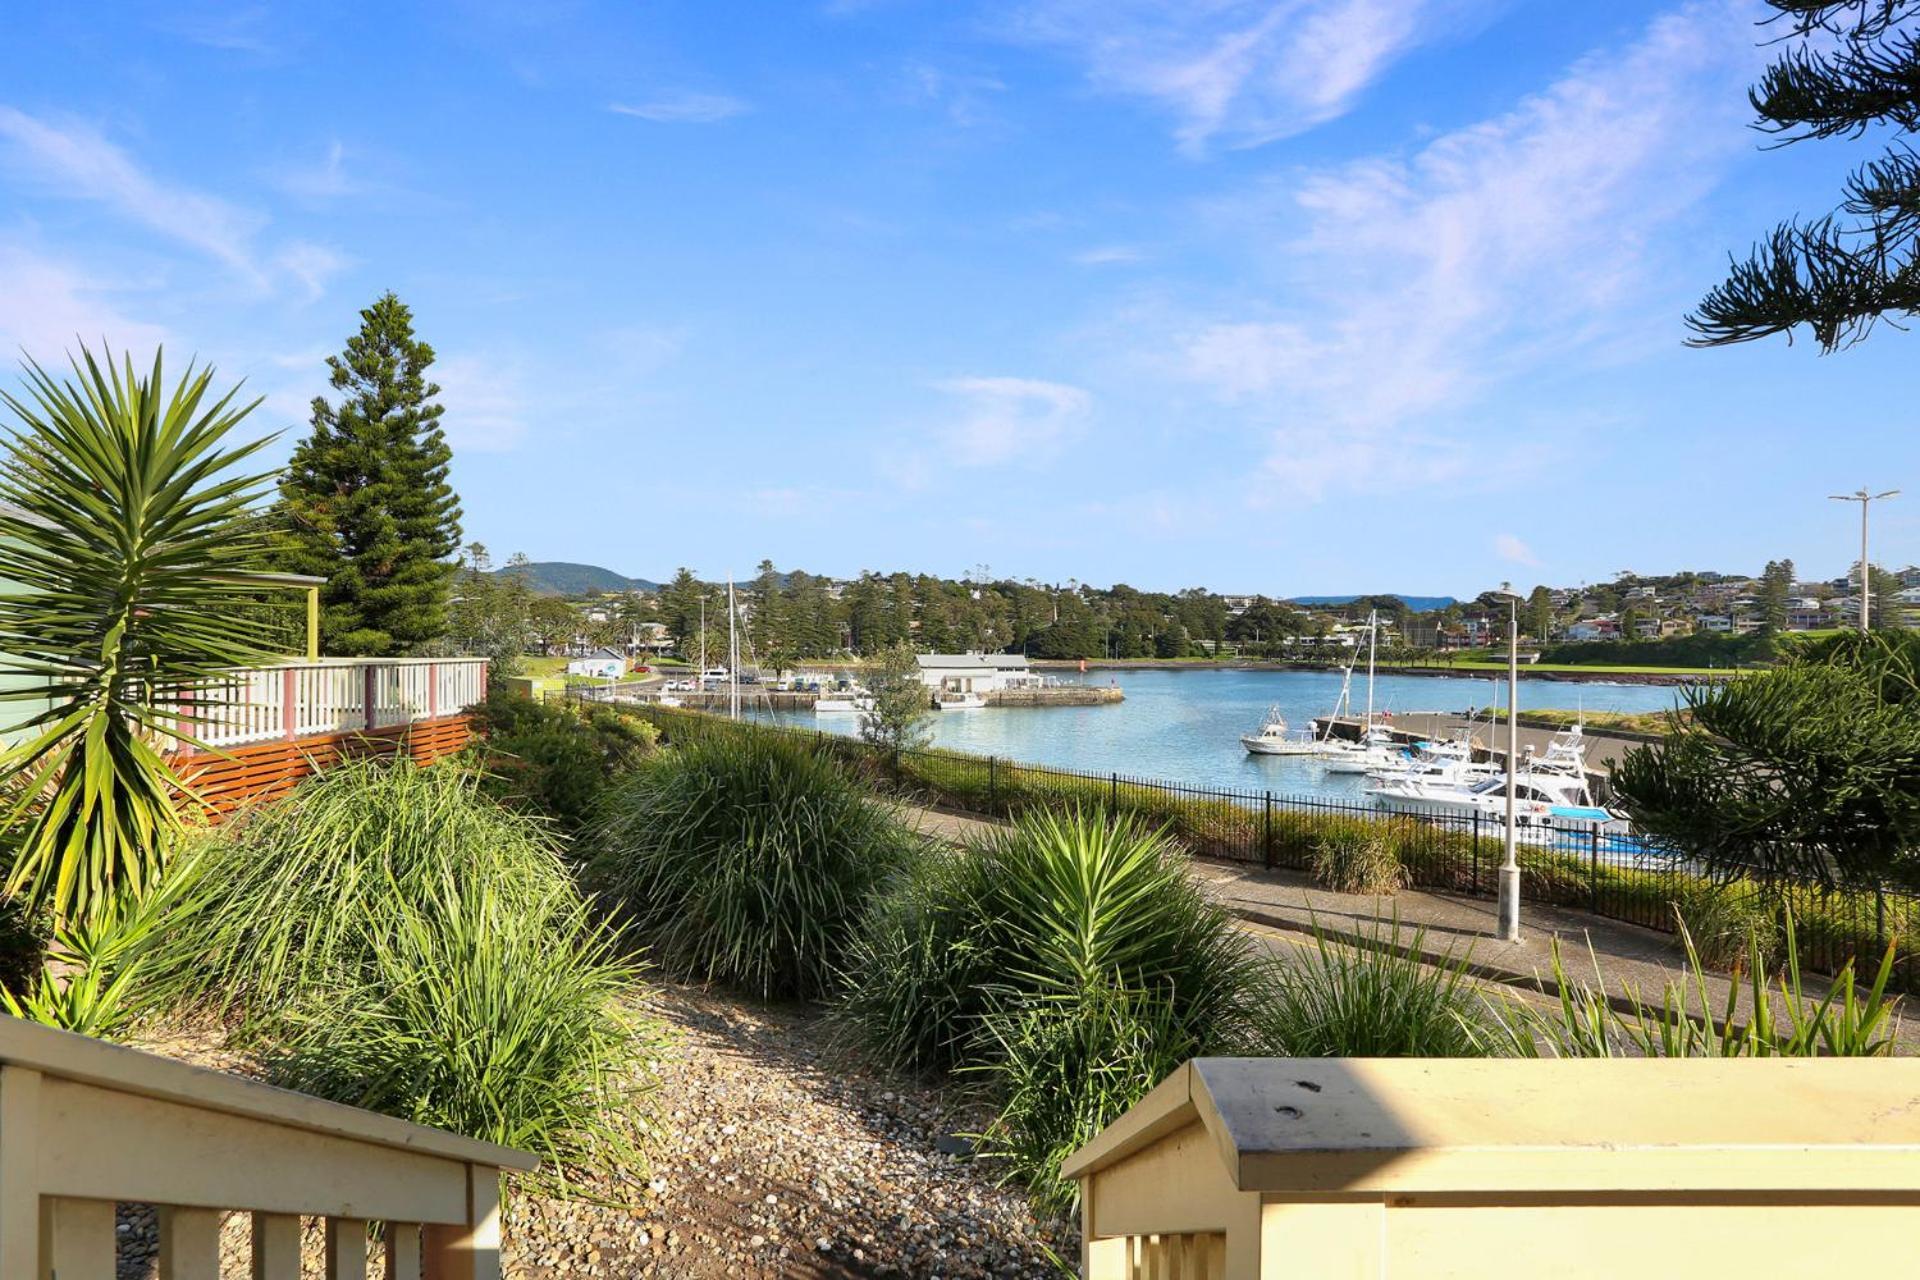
x=1186, y=727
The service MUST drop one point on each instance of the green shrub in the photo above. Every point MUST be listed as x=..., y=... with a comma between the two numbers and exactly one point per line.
x=746, y=859
x=1357, y=858
x=1051, y=906
x=307, y=884
x=391, y=937
x=556, y=759
x=487, y=1014
x=1379, y=1000
x=1783, y=1020
x=918, y=967
x=1067, y=1067
x=1732, y=924
x=1068, y=960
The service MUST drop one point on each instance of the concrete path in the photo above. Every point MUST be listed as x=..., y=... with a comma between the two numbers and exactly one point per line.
x=1281, y=905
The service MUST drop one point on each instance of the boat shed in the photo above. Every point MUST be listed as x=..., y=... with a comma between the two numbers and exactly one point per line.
x=975, y=672
x=601, y=664
x=1261, y=1168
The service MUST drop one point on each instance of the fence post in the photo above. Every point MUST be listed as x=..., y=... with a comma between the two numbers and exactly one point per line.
x=1267, y=851
x=289, y=705
x=1476, y=851
x=1593, y=868
x=372, y=697
x=1879, y=918
x=1113, y=793
x=993, y=785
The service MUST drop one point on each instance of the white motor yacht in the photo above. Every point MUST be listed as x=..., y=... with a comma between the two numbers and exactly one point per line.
x=1274, y=738
x=842, y=703
x=1376, y=752
x=959, y=702
x=1550, y=793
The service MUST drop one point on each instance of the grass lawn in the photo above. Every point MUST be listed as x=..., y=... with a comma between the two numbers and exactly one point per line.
x=542, y=667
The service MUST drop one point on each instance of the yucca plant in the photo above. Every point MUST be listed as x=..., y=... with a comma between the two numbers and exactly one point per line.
x=98, y=968
x=124, y=518
x=746, y=860
x=1055, y=905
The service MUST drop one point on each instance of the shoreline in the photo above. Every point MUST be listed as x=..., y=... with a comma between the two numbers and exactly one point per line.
x=1674, y=678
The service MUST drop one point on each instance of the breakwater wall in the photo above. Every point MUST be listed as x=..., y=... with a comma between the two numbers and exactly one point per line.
x=1060, y=695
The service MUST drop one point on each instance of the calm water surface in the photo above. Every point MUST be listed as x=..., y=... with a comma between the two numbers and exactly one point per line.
x=1185, y=726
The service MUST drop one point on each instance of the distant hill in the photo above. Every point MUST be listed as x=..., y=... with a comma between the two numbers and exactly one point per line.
x=560, y=578
x=1419, y=604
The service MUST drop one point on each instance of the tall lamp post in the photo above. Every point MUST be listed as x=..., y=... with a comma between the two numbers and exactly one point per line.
x=1509, y=888
x=1865, y=500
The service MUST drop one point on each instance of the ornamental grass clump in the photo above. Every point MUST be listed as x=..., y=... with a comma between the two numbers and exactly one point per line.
x=307, y=884
x=388, y=936
x=486, y=1012
x=1380, y=999
x=747, y=860
x=1356, y=857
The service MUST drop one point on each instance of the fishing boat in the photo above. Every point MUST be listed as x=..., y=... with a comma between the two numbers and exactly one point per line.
x=1274, y=738
x=959, y=702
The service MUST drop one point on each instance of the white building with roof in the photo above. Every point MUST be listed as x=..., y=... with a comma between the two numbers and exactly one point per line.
x=975, y=672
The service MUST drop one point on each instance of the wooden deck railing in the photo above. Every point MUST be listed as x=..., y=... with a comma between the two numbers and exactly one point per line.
x=296, y=700
x=85, y=1124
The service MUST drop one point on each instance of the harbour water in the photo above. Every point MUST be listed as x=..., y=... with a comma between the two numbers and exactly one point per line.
x=1185, y=726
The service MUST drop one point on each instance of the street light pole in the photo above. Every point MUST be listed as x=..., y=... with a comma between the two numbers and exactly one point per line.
x=1866, y=500
x=1509, y=885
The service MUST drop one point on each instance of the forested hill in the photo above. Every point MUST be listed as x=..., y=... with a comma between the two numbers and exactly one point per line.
x=1418, y=604
x=562, y=578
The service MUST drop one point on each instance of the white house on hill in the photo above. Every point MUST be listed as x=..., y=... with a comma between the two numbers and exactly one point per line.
x=975, y=672
x=601, y=664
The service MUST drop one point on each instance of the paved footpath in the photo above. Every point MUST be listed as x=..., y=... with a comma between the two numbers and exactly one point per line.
x=1283, y=907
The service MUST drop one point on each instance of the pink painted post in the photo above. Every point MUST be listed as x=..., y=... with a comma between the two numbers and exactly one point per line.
x=433, y=690
x=373, y=712
x=289, y=716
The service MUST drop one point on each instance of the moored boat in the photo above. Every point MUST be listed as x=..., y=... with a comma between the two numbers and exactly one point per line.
x=1274, y=738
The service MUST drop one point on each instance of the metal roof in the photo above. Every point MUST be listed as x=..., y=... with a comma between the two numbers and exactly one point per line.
x=975, y=661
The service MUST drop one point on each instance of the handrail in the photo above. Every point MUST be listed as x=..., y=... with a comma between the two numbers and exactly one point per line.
x=294, y=700
x=85, y=1124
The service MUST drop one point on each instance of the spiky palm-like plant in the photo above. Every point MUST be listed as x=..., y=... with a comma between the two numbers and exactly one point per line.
x=123, y=525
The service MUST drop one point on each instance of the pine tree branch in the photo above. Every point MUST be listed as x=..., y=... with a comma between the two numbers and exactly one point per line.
x=1841, y=93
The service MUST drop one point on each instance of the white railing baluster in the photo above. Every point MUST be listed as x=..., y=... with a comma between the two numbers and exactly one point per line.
x=330, y=696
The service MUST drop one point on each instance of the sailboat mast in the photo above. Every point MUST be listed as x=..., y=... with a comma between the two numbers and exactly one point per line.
x=1373, y=644
x=733, y=657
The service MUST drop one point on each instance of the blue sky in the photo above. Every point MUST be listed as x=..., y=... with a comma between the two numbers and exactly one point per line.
x=1290, y=296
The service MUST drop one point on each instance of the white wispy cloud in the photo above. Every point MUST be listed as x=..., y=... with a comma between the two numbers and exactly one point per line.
x=486, y=403
x=1012, y=419
x=683, y=108
x=323, y=179
x=1243, y=72
x=1108, y=255
x=1415, y=284
x=74, y=160
x=1509, y=547
x=49, y=305
x=77, y=161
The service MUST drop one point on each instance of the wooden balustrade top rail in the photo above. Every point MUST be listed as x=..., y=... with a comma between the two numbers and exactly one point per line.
x=85, y=1124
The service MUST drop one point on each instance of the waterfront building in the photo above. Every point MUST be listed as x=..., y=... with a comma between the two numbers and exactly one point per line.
x=975, y=672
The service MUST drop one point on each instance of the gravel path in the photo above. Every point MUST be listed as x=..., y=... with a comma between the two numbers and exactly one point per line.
x=771, y=1155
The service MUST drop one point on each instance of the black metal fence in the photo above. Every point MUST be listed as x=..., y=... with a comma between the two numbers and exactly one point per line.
x=1582, y=866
